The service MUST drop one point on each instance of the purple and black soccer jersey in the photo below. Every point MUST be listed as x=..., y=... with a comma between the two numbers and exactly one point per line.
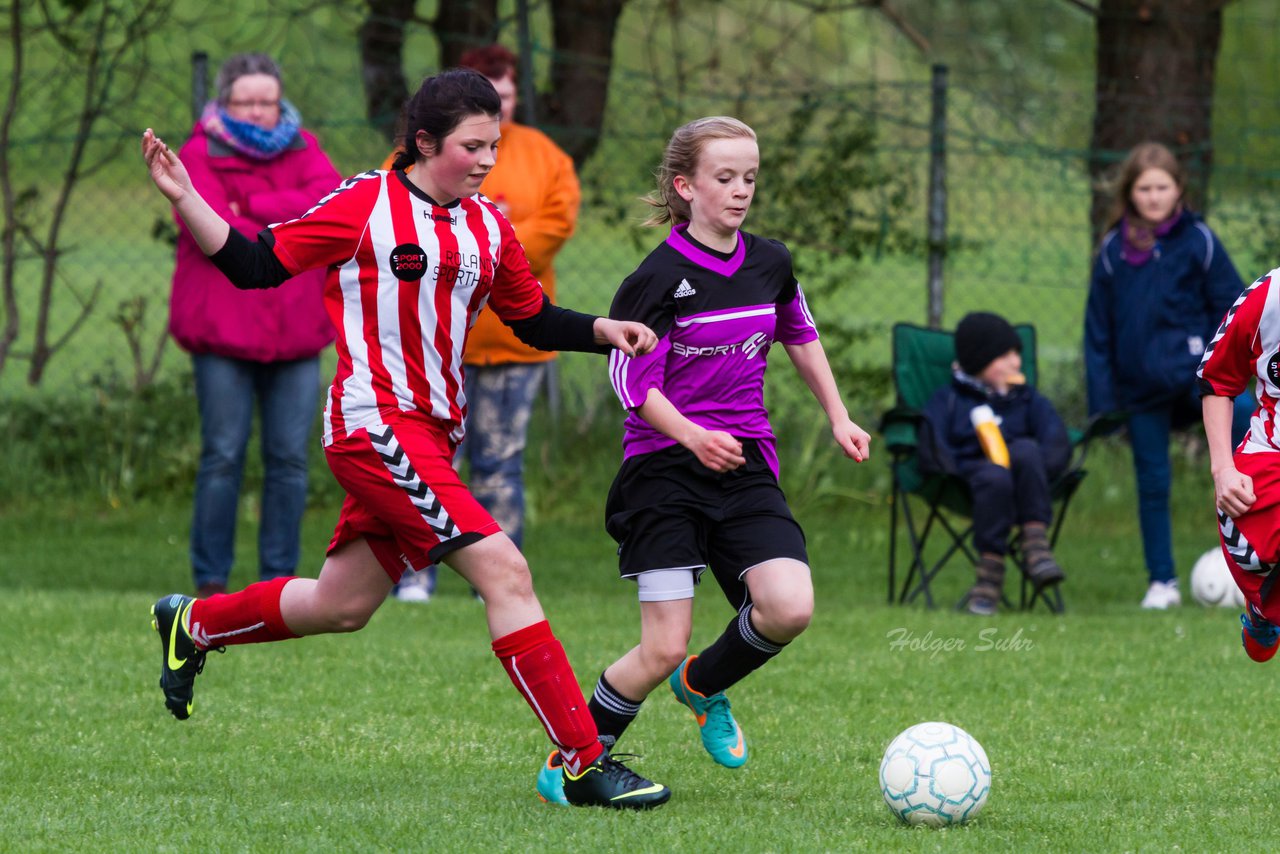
x=716, y=317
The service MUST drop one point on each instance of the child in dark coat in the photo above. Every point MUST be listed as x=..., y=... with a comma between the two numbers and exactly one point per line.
x=1006, y=490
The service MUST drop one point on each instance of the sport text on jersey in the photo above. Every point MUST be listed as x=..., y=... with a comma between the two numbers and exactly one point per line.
x=750, y=348
x=408, y=262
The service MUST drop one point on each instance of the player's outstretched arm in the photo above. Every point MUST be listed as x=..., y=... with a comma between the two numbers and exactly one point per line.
x=634, y=339
x=1233, y=491
x=811, y=363
x=208, y=228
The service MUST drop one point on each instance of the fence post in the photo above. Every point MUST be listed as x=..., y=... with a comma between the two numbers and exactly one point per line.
x=937, y=208
x=528, y=105
x=199, y=83
x=528, y=115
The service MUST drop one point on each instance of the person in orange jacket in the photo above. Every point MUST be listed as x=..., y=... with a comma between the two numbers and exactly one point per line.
x=535, y=186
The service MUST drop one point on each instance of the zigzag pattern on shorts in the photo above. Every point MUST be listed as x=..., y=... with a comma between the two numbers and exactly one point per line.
x=397, y=462
x=1240, y=549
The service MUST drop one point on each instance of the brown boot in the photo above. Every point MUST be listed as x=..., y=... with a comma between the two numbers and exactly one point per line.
x=1042, y=569
x=984, y=596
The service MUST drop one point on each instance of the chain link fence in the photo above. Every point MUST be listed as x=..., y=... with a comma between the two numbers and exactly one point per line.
x=91, y=257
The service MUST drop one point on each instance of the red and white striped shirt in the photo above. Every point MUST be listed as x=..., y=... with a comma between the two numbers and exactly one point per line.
x=407, y=278
x=1247, y=347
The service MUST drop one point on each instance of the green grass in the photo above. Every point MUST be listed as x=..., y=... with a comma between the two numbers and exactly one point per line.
x=1107, y=728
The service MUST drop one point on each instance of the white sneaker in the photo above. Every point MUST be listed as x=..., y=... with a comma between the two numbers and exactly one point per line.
x=1162, y=595
x=413, y=587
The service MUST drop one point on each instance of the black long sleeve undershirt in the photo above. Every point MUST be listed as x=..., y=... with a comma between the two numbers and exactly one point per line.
x=556, y=328
x=249, y=264
x=252, y=265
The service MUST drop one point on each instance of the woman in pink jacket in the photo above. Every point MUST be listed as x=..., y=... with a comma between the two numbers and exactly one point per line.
x=250, y=158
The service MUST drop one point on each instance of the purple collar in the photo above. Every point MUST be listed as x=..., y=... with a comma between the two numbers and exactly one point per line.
x=1138, y=240
x=678, y=241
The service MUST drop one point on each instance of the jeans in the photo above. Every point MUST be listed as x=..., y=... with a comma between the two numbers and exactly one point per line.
x=1149, y=438
x=1005, y=496
x=287, y=394
x=500, y=401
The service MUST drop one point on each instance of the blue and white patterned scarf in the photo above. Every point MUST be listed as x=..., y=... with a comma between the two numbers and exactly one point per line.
x=249, y=139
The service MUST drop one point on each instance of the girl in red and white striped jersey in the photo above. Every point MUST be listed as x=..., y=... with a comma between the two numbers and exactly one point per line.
x=412, y=259
x=1246, y=352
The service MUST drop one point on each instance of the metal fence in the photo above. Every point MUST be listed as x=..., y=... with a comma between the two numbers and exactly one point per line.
x=1013, y=185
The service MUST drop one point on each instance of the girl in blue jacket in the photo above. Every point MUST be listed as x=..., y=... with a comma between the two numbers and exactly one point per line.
x=1161, y=284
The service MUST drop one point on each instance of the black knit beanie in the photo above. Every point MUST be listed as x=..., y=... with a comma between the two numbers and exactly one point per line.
x=981, y=338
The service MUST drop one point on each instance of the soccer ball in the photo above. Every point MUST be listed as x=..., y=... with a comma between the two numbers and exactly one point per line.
x=1212, y=583
x=935, y=774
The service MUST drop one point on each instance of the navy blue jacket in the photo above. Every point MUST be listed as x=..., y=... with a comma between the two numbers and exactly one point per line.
x=949, y=444
x=1146, y=327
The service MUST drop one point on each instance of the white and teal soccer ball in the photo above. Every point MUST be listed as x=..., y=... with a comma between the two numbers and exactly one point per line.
x=1212, y=583
x=935, y=774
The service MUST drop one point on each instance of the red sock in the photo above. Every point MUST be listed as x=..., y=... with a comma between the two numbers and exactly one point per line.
x=539, y=669
x=250, y=616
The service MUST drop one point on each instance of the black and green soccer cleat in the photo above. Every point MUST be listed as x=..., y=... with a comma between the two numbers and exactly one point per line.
x=608, y=783
x=182, y=661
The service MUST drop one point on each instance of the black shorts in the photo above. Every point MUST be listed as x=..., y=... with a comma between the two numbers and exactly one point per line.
x=668, y=511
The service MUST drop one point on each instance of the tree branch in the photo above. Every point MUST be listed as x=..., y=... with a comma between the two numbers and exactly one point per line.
x=896, y=18
x=1087, y=8
x=9, y=233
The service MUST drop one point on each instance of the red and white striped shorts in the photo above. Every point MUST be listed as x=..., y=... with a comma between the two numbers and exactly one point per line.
x=403, y=495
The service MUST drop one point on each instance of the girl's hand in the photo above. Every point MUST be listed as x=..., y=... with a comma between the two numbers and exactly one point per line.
x=1233, y=491
x=634, y=339
x=167, y=171
x=852, y=439
x=716, y=449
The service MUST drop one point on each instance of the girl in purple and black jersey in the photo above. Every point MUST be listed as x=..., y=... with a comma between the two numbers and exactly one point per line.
x=698, y=487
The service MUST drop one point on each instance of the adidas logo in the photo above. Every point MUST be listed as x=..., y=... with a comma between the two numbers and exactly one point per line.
x=685, y=289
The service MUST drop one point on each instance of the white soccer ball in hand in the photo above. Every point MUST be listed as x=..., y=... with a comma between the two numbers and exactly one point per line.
x=1212, y=583
x=935, y=774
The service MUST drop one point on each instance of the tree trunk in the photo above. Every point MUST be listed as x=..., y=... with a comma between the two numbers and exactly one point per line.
x=1155, y=76
x=584, y=31
x=463, y=24
x=381, y=56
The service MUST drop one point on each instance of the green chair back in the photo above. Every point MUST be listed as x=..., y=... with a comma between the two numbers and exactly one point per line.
x=922, y=361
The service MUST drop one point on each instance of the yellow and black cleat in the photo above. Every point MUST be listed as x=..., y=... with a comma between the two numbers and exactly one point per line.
x=181, y=662
x=608, y=783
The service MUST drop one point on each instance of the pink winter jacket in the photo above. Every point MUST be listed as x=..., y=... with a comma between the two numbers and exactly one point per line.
x=207, y=314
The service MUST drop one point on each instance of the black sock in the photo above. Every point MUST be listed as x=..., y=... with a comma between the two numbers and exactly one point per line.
x=735, y=654
x=611, y=711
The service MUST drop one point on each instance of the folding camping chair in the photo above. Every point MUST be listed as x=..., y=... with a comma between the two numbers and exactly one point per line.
x=922, y=360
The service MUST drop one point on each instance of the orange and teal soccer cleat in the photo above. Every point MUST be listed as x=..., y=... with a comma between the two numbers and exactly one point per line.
x=608, y=783
x=721, y=735
x=181, y=662
x=1261, y=637
x=551, y=781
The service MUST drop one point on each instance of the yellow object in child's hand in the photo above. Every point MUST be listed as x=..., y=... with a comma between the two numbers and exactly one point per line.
x=1016, y=378
x=989, y=435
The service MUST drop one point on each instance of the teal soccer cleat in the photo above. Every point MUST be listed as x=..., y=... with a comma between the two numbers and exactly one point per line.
x=1259, y=635
x=551, y=781
x=721, y=735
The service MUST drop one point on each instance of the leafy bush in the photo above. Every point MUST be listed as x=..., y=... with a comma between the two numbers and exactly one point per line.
x=113, y=442
x=116, y=444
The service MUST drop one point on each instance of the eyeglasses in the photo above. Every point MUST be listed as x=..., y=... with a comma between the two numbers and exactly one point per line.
x=248, y=105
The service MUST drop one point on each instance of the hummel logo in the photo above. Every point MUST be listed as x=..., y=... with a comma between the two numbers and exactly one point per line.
x=684, y=290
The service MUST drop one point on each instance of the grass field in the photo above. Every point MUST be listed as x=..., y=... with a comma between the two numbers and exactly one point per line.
x=1107, y=728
